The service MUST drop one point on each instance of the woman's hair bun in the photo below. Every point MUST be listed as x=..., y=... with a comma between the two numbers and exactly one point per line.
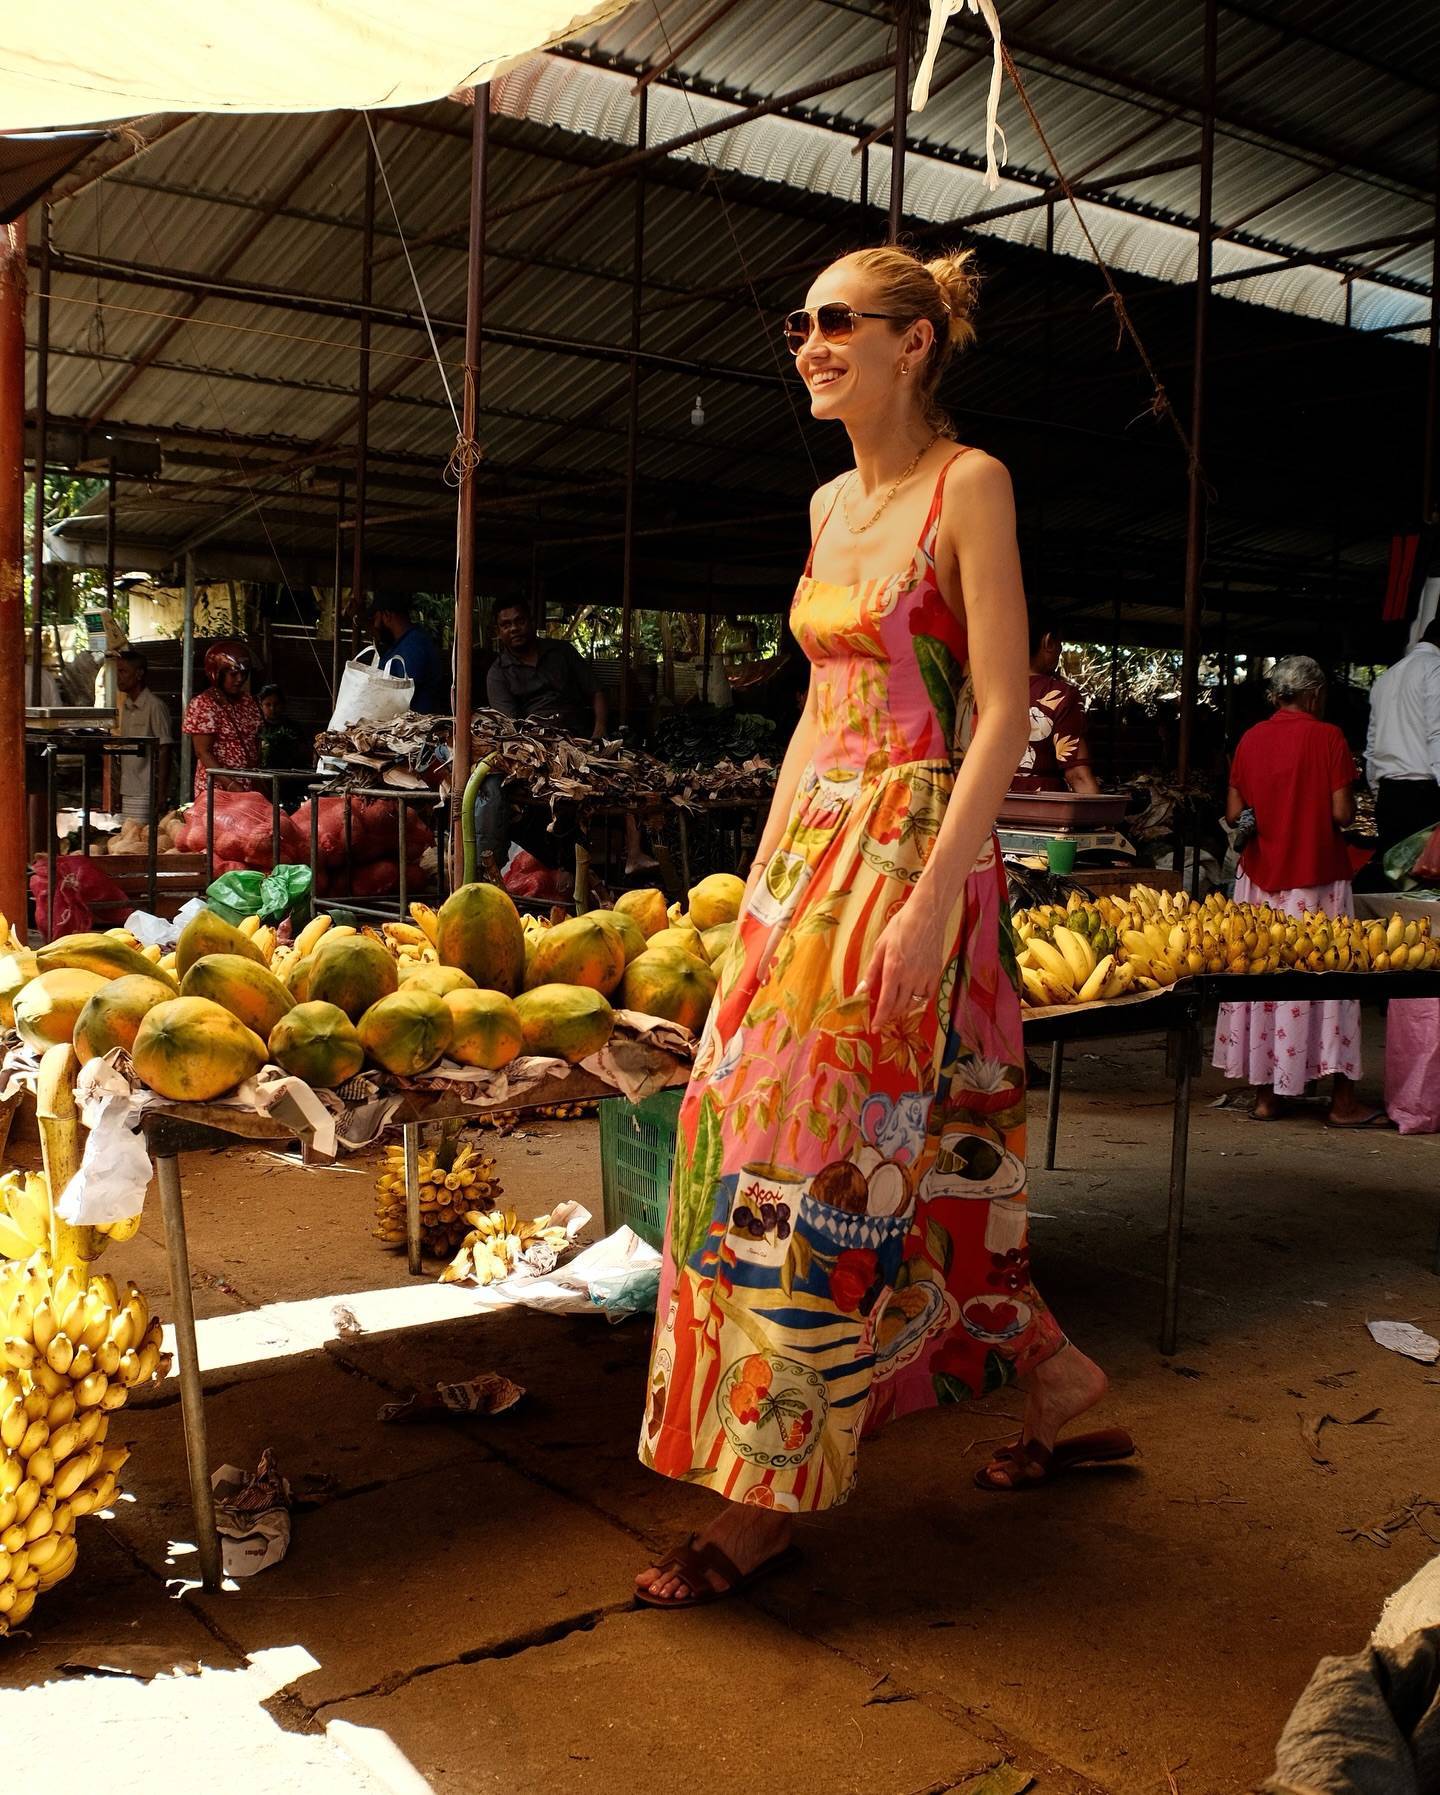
x=958, y=279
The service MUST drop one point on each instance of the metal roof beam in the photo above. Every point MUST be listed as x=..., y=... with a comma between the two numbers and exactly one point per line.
x=322, y=305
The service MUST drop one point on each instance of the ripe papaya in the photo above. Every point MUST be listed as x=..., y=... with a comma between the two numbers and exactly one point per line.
x=407, y=1031
x=683, y=940
x=319, y=1043
x=442, y=980
x=569, y=1022
x=351, y=971
x=486, y=1028
x=478, y=929
x=668, y=983
x=632, y=936
x=192, y=1050
x=647, y=907
x=579, y=951
x=716, y=899
x=104, y=953
x=207, y=933
x=248, y=991
x=112, y=1017
x=717, y=941
x=47, y=1009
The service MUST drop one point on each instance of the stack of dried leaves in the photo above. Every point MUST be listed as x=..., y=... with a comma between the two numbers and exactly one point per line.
x=540, y=759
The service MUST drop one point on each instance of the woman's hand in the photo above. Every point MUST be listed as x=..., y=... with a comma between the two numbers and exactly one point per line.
x=904, y=971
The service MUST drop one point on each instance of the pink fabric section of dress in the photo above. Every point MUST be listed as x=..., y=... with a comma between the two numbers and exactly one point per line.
x=1284, y=1046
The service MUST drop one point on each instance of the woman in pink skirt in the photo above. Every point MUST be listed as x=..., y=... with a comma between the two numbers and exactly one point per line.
x=1297, y=774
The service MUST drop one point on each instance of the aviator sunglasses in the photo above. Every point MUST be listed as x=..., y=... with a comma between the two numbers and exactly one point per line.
x=836, y=324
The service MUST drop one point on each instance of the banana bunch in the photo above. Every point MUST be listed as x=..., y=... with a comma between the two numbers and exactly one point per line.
x=71, y=1350
x=1157, y=937
x=446, y=1192
x=407, y=941
x=1069, y=956
x=497, y=1243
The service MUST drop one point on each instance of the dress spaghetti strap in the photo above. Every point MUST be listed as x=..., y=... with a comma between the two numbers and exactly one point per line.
x=932, y=516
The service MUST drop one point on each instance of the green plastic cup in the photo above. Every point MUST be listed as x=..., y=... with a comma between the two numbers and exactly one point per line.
x=1060, y=854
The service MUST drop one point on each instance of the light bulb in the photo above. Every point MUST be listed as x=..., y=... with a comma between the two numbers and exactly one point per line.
x=697, y=416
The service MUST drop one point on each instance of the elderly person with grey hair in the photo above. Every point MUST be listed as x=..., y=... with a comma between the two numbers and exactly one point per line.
x=1296, y=773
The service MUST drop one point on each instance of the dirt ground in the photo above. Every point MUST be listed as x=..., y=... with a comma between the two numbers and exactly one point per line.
x=459, y=1607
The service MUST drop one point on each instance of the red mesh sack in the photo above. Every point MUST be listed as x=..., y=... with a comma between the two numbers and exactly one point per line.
x=366, y=842
x=80, y=887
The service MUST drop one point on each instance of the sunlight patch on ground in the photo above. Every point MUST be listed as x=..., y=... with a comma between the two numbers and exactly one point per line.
x=192, y=1730
x=284, y=1330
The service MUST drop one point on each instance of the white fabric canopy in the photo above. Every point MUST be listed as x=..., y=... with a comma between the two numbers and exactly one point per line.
x=98, y=60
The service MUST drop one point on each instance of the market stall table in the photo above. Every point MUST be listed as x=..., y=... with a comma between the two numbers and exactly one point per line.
x=1180, y=1012
x=171, y=1130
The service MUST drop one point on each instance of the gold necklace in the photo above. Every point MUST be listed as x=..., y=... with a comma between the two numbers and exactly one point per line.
x=879, y=511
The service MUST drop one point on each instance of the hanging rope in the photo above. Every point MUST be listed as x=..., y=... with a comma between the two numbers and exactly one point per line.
x=1159, y=406
x=466, y=455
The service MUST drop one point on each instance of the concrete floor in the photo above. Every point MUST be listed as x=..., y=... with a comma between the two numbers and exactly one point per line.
x=459, y=1606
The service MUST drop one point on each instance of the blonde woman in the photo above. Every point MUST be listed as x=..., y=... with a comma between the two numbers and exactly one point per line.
x=847, y=1237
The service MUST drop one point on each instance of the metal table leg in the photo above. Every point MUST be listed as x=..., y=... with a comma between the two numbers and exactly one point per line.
x=1052, y=1111
x=1185, y=1043
x=192, y=1394
x=410, y=1134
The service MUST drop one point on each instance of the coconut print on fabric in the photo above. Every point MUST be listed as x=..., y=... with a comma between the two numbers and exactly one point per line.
x=847, y=1234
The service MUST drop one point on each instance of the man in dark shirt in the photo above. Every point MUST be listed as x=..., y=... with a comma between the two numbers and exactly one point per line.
x=398, y=637
x=539, y=677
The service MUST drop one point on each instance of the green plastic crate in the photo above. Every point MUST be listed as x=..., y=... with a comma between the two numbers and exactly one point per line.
x=637, y=1150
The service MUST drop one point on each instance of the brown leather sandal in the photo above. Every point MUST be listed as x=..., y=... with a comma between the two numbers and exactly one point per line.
x=1029, y=1464
x=696, y=1564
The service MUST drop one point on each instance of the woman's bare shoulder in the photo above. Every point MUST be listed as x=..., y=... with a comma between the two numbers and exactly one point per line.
x=975, y=476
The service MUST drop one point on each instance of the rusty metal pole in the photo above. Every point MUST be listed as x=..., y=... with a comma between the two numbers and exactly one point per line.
x=1195, y=518
x=464, y=643
x=337, y=589
x=902, y=110
x=1429, y=497
x=110, y=494
x=42, y=427
x=14, y=827
x=632, y=421
x=362, y=418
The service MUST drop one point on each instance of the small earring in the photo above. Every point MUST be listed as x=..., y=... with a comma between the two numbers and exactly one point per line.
x=904, y=367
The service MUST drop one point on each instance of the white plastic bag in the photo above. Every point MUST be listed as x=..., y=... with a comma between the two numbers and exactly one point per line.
x=370, y=693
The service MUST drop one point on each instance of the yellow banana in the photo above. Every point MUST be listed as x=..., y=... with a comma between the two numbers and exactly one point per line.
x=1094, y=986
x=1078, y=953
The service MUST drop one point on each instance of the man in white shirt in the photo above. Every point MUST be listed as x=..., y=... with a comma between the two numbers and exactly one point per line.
x=141, y=712
x=1402, y=750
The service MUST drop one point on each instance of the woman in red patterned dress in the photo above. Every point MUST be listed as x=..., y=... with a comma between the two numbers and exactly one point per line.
x=847, y=1232
x=224, y=722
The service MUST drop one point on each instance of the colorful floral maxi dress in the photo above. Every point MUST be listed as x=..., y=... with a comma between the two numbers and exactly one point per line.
x=847, y=1230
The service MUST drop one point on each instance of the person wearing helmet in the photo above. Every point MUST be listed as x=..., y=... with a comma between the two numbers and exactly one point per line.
x=224, y=721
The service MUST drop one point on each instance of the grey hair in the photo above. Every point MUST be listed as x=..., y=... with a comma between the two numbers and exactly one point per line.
x=1294, y=675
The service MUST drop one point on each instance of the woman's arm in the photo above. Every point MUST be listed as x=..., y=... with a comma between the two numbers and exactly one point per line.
x=1234, y=804
x=205, y=750
x=1342, y=806
x=979, y=551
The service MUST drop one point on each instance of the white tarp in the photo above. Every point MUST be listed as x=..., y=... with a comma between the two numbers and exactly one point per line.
x=98, y=60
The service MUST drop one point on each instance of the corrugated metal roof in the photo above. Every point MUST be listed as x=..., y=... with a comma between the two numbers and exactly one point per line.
x=779, y=194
